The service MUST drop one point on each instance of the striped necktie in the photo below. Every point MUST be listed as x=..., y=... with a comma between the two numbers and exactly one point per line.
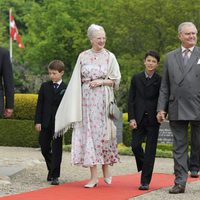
x=186, y=56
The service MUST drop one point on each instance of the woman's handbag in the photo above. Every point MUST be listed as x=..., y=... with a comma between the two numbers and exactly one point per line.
x=114, y=112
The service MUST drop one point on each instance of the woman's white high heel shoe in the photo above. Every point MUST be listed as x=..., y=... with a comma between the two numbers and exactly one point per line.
x=91, y=185
x=108, y=180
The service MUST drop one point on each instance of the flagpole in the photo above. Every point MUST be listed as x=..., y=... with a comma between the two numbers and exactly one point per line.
x=11, y=50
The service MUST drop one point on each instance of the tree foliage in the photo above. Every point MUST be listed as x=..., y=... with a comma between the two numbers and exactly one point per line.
x=57, y=30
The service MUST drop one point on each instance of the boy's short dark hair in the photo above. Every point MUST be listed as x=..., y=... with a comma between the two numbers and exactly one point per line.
x=57, y=65
x=153, y=54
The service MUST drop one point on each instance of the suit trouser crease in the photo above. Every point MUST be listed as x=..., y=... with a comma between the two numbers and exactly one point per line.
x=180, y=147
x=51, y=150
x=194, y=161
x=145, y=160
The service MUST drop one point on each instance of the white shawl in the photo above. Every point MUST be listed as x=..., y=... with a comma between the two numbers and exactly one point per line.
x=69, y=111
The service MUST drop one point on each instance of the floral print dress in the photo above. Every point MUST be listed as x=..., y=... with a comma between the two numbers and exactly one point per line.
x=89, y=147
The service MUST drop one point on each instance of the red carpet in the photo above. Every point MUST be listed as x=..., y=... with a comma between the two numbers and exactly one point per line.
x=122, y=188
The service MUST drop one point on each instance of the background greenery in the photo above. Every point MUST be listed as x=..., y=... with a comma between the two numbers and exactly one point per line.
x=57, y=30
x=20, y=130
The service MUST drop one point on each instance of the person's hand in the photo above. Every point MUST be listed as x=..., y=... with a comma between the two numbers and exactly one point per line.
x=38, y=127
x=161, y=116
x=96, y=83
x=133, y=124
x=8, y=112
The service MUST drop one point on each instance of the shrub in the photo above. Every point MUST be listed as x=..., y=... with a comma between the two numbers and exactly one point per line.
x=125, y=117
x=164, y=147
x=68, y=136
x=124, y=150
x=19, y=133
x=25, y=105
x=126, y=134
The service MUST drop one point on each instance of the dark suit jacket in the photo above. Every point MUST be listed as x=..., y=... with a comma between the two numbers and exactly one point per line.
x=48, y=102
x=6, y=80
x=143, y=97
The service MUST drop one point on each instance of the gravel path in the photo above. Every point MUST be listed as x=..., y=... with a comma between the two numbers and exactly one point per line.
x=33, y=175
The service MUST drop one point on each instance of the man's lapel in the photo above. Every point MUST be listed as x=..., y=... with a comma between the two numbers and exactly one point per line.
x=193, y=58
x=181, y=71
x=179, y=60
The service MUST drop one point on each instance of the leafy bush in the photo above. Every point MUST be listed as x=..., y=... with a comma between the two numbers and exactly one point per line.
x=164, y=147
x=126, y=134
x=125, y=117
x=124, y=150
x=68, y=136
x=25, y=105
x=19, y=133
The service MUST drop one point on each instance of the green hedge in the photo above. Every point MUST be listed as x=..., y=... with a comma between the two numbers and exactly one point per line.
x=25, y=105
x=126, y=134
x=18, y=133
x=20, y=130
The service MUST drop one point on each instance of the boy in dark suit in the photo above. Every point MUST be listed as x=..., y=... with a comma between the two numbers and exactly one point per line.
x=50, y=95
x=142, y=104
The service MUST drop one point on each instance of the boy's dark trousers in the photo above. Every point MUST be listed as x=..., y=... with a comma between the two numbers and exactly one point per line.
x=145, y=160
x=51, y=150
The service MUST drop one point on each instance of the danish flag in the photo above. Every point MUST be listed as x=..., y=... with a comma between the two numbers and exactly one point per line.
x=14, y=32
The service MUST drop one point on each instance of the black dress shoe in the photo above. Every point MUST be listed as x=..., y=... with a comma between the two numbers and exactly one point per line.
x=55, y=181
x=194, y=174
x=144, y=187
x=176, y=189
x=49, y=178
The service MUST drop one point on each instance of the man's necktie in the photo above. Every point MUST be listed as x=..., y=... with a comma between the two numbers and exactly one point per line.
x=186, y=56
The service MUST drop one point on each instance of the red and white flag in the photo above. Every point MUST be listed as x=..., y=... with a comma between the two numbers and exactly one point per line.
x=14, y=32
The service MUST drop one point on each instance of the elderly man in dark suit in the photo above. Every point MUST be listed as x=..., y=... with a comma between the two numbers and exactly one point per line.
x=142, y=104
x=6, y=84
x=180, y=98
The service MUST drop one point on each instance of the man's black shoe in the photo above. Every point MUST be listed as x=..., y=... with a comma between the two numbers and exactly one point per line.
x=176, y=189
x=49, y=178
x=194, y=174
x=55, y=181
x=144, y=187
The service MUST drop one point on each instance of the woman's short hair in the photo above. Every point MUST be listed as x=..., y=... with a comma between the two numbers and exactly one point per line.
x=92, y=29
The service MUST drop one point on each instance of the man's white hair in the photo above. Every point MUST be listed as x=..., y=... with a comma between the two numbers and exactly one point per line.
x=180, y=27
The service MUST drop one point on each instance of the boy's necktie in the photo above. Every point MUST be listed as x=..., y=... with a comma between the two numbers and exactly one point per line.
x=55, y=86
x=148, y=78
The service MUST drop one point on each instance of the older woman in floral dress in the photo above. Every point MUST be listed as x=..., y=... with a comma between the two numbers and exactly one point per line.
x=85, y=107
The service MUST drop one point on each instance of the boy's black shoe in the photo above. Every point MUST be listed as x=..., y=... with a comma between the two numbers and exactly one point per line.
x=194, y=174
x=54, y=181
x=144, y=187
